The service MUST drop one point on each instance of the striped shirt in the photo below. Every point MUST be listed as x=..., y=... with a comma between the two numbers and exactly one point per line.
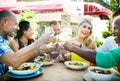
x=3, y=49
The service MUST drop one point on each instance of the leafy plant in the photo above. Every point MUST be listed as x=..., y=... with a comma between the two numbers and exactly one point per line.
x=30, y=16
x=98, y=42
x=108, y=32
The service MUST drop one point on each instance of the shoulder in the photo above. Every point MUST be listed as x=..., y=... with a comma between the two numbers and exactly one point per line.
x=4, y=47
x=14, y=44
x=13, y=41
x=111, y=38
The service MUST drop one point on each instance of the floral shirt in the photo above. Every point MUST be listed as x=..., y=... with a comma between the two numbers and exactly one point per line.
x=3, y=49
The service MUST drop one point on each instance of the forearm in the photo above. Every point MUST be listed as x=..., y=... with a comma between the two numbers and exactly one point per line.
x=87, y=54
x=27, y=52
x=17, y=58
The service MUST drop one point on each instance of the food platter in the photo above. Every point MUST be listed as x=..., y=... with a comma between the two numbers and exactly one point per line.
x=38, y=72
x=43, y=60
x=76, y=64
x=25, y=68
x=99, y=73
x=88, y=77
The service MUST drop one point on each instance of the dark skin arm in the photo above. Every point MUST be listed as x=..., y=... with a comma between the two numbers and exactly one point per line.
x=87, y=54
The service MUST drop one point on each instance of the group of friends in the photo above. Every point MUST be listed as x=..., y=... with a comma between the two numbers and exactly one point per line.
x=23, y=48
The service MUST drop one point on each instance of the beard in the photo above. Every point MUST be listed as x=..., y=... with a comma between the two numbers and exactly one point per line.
x=11, y=34
x=117, y=39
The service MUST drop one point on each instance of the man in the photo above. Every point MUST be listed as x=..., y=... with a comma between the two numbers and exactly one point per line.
x=109, y=42
x=107, y=59
x=55, y=27
x=8, y=26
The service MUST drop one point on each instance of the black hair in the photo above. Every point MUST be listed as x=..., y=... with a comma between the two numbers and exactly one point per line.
x=4, y=14
x=23, y=25
x=116, y=13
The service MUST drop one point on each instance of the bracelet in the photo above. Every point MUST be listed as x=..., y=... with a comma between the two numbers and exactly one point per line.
x=81, y=45
x=67, y=54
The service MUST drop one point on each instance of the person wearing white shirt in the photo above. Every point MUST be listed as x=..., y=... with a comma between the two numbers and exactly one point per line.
x=108, y=44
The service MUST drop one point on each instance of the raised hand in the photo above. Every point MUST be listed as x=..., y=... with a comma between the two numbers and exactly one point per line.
x=47, y=38
x=68, y=46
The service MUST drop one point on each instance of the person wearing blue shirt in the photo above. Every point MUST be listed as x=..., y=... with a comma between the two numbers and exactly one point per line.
x=8, y=27
x=4, y=48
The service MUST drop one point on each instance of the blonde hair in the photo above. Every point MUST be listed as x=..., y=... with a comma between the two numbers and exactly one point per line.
x=88, y=41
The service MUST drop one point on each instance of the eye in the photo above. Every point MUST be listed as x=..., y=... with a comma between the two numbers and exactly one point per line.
x=16, y=24
x=89, y=28
x=84, y=26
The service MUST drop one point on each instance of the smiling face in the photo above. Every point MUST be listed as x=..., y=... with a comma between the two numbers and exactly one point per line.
x=116, y=29
x=84, y=29
x=56, y=29
x=28, y=33
x=10, y=25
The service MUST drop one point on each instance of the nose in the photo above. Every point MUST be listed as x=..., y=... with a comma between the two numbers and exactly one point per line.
x=87, y=30
x=17, y=27
x=114, y=31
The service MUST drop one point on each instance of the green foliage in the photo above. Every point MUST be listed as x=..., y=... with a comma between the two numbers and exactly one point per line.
x=98, y=42
x=30, y=16
x=114, y=5
x=108, y=32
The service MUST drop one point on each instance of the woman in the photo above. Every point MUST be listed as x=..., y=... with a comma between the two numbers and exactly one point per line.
x=23, y=37
x=108, y=59
x=84, y=39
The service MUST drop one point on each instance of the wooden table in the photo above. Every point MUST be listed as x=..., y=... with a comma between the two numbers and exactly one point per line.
x=56, y=72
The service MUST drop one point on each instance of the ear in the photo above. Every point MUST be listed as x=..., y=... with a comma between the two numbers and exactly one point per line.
x=4, y=22
x=24, y=31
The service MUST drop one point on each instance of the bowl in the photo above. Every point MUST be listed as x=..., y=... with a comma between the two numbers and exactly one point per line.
x=100, y=74
x=25, y=68
x=43, y=60
x=75, y=64
x=117, y=73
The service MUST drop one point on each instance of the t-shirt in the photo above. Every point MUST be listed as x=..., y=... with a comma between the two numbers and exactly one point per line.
x=3, y=49
x=108, y=59
x=108, y=44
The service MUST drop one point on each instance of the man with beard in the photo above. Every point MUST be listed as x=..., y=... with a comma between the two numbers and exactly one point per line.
x=8, y=26
x=109, y=42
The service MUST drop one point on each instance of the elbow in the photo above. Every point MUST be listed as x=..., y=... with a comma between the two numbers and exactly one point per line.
x=15, y=64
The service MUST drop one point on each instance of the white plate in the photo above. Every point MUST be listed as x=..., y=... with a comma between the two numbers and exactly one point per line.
x=88, y=77
x=38, y=72
x=98, y=73
x=72, y=66
x=43, y=63
x=25, y=72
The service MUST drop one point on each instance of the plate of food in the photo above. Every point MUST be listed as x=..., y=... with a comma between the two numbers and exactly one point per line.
x=76, y=64
x=12, y=75
x=100, y=74
x=25, y=68
x=44, y=60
